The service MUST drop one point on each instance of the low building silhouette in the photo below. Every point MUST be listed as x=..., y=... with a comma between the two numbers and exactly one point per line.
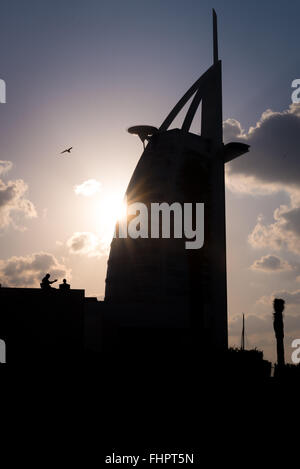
x=42, y=325
x=52, y=328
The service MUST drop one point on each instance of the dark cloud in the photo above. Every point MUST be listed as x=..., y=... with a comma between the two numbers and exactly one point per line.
x=292, y=218
x=273, y=164
x=270, y=263
x=274, y=155
x=26, y=271
x=232, y=130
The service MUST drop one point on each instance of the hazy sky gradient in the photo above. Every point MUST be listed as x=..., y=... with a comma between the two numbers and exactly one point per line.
x=79, y=73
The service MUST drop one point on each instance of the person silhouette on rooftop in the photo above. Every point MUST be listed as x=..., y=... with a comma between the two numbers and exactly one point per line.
x=64, y=285
x=46, y=283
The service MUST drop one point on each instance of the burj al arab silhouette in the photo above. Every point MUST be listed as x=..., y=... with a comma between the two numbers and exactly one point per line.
x=156, y=284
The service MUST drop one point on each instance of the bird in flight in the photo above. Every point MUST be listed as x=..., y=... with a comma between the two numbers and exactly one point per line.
x=68, y=150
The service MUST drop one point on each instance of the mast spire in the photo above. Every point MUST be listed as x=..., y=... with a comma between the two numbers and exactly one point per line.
x=215, y=36
x=243, y=334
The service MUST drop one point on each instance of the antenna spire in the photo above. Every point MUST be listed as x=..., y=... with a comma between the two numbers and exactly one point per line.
x=243, y=334
x=215, y=33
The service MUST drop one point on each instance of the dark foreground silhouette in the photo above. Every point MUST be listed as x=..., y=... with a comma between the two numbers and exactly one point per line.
x=53, y=328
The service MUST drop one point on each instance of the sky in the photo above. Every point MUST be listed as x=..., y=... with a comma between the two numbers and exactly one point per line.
x=79, y=73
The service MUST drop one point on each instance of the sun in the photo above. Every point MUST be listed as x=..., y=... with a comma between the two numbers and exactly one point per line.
x=112, y=208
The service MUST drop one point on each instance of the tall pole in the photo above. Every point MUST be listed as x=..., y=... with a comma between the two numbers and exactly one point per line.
x=278, y=305
x=243, y=334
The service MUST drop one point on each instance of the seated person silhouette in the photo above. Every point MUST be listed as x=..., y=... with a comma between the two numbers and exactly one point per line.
x=64, y=286
x=46, y=283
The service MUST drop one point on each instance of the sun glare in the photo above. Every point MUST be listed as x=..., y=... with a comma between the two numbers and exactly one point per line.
x=112, y=208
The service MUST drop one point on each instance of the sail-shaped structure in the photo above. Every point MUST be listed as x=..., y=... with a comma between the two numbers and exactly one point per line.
x=158, y=284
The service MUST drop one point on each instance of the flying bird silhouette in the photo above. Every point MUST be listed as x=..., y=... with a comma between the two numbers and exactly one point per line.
x=68, y=150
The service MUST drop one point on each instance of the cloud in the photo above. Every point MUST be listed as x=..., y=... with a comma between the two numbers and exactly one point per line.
x=13, y=202
x=86, y=243
x=88, y=188
x=232, y=130
x=28, y=271
x=255, y=325
x=5, y=166
x=292, y=220
x=271, y=263
x=272, y=165
x=274, y=154
x=282, y=234
x=290, y=297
